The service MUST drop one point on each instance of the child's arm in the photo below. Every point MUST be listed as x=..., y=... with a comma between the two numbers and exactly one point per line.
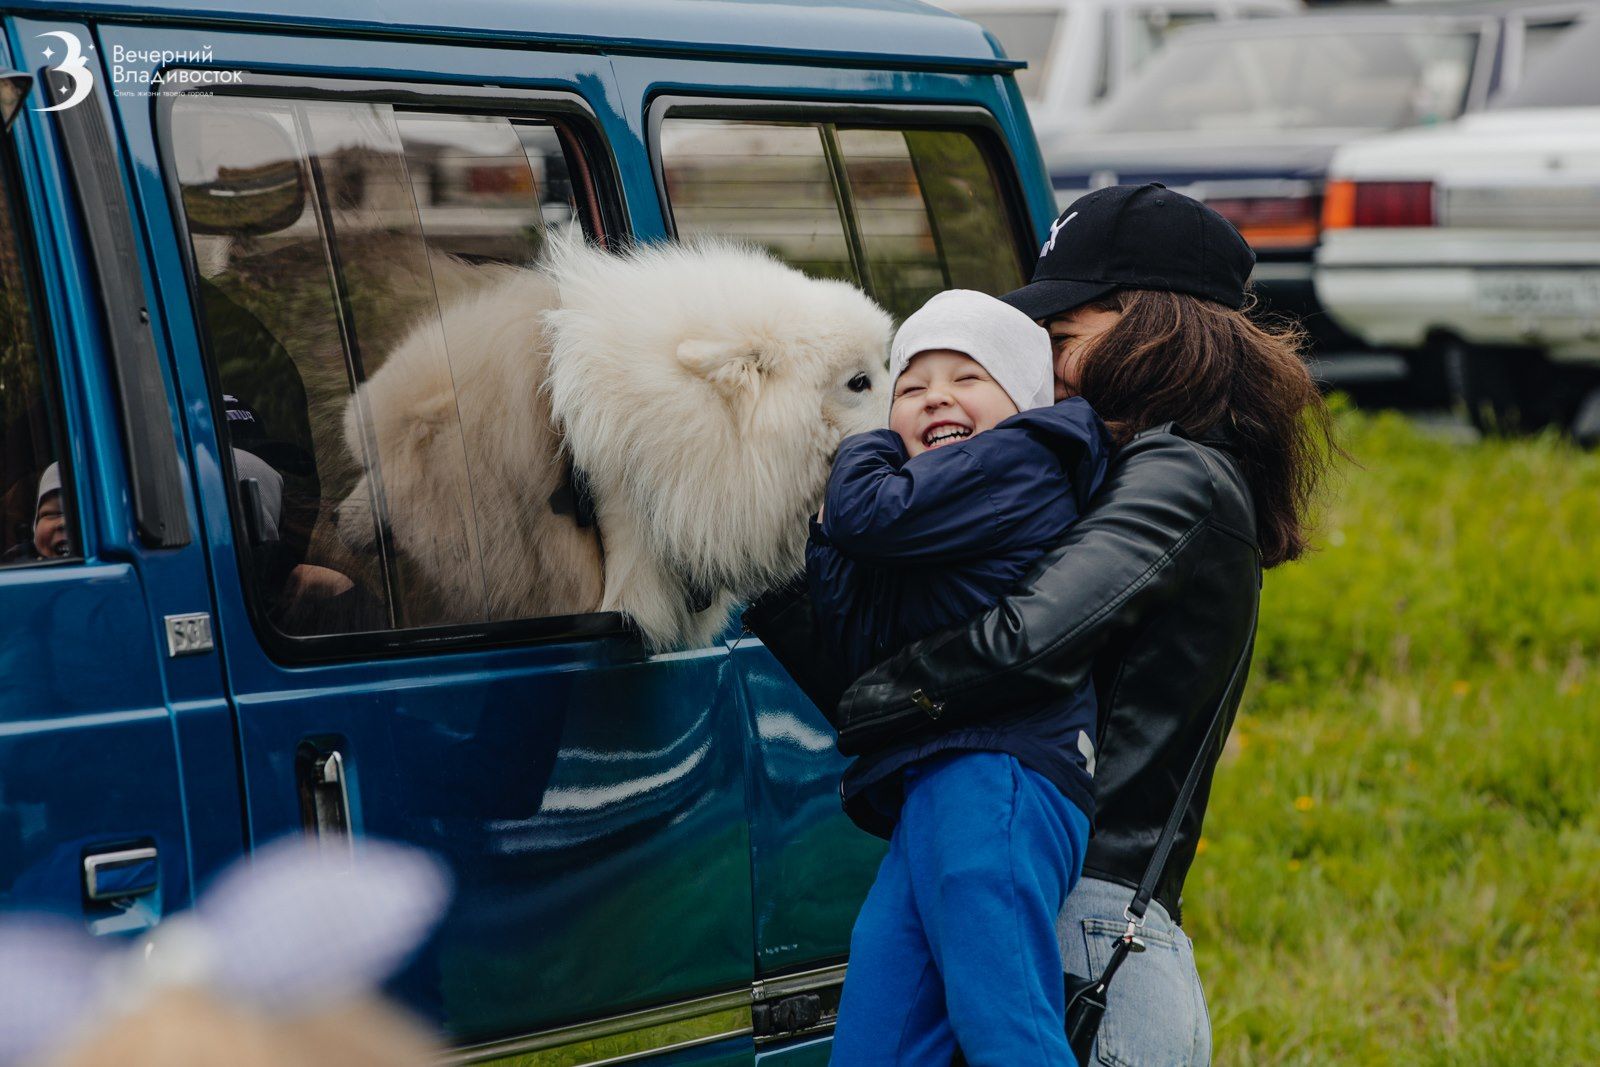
x=846, y=600
x=943, y=505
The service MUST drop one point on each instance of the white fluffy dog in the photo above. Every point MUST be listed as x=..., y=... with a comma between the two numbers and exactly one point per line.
x=702, y=390
x=457, y=427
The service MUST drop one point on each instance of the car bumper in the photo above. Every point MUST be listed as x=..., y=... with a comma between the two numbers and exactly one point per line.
x=1401, y=287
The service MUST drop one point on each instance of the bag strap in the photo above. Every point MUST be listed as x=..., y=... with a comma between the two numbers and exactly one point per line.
x=1135, y=911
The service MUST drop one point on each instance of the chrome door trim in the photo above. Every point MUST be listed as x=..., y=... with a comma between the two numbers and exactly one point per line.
x=725, y=1014
x=804, y=982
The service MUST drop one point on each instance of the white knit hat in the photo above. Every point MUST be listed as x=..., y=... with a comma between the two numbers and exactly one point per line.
x=49, y=482
x=1009, y=345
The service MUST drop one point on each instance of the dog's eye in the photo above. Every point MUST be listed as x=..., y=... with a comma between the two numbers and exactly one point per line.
x=860, y=383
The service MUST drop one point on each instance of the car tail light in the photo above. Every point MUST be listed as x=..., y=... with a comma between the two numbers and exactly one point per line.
x=1346, y=204
x=1272, y=221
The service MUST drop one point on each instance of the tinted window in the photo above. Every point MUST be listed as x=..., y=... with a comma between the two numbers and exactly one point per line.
x=1149, y=29
x=1297, y=81
x=1538, y=38
x=904, y=213
x=36, y=525
x=357, y=265
x=766, y=182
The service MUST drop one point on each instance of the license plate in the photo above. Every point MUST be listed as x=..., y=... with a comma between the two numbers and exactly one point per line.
x=1530, y=293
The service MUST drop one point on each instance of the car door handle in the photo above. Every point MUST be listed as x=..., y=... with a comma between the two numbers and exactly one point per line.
x=323, y=786
x=124, y=873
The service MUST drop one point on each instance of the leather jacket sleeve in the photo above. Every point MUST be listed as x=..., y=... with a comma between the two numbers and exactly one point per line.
x=1124, y=557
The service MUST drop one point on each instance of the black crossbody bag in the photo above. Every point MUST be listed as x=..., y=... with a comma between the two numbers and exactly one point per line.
x=1086, y=997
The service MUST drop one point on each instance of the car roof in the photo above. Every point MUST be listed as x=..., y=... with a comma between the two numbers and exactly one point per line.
x=1367, y=20
x=981, y=7
x=865, y=32
x=1373, y=18
x=1522, y=8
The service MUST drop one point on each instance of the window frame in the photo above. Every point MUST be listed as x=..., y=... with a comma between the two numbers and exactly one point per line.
x=51, y=386
x=575, y=114
x=971, y=119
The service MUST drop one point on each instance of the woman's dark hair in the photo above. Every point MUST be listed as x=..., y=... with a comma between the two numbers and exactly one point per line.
x=1204, y=366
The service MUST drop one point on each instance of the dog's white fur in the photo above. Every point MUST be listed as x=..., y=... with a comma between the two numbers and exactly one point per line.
x=702, y=389
x=465, y=392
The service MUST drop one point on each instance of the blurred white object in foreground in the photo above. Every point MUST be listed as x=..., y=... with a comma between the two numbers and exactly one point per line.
x=278, y=963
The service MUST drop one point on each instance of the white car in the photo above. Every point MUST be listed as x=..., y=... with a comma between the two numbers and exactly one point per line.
x=1475, y=246
x=1078, y=51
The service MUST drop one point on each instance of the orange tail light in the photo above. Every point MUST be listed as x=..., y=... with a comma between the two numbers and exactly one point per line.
x=1339, y=205
x=1272, y=221
x=1359, y=204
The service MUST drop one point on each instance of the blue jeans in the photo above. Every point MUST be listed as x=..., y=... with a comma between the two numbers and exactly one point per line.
x=956, y=942
x=1155, y=1009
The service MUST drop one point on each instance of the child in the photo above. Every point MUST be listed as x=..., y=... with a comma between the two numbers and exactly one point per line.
x=924, y=524
x=51, y=538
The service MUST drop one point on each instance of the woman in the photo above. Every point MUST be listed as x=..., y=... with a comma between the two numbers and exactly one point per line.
x=1222, y=441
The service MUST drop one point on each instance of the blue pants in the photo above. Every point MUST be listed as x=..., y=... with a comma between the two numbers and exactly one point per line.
x=956, y=943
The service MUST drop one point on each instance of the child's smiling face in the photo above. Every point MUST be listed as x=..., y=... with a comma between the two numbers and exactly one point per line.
x=943, y=397
x=50, y=537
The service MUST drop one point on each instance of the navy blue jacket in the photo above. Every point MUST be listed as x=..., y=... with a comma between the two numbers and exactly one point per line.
x=908, y=547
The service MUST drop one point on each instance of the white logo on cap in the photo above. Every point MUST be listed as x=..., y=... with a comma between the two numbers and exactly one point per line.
x=1055, y=228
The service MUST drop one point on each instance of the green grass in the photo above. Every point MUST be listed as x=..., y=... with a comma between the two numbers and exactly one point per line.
x=1402, y=856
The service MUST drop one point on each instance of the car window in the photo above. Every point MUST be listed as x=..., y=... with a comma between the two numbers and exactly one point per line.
x=356, y=263
x=1566, y=76
x=36, y=520
x=904, y=213
x=1538, y=38
x=770, y=183
x=1150, y=28
x=1298, y=81
x=1029, y=36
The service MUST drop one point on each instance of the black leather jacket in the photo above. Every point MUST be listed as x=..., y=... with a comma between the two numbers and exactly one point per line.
x=1153, y=591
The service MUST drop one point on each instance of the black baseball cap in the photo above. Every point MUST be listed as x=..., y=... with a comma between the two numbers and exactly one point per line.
x=1135, y=237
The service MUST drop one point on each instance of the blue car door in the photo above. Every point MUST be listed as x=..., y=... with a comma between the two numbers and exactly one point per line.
x=319, y=206
x=117, y=781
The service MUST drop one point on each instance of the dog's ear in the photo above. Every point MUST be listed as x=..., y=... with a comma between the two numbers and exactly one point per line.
x=732, y=368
